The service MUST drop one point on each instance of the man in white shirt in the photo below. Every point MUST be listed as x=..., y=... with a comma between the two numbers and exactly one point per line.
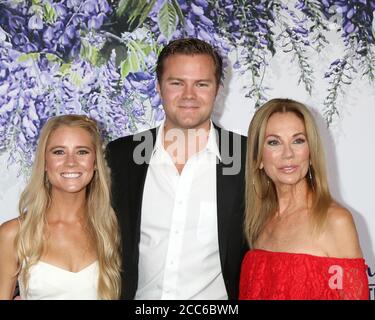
x=178, y=189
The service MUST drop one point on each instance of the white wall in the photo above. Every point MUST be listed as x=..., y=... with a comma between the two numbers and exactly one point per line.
x=11, y=187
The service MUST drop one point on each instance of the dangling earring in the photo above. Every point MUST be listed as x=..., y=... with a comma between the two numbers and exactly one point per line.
x=309, y=173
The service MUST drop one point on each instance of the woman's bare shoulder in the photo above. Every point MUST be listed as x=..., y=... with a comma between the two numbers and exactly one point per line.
x=338, y=215
x=342, y=233
x=9, y=230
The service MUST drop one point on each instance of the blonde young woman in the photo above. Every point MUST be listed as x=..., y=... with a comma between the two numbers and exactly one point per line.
x=65, y=243
x=303, y=244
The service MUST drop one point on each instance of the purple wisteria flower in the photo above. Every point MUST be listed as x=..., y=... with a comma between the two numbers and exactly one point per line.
x=55, y=31
x=72, y=56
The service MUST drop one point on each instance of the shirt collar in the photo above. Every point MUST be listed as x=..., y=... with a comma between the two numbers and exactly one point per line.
x=212, y=142
x=211, y=145
x=159, y=137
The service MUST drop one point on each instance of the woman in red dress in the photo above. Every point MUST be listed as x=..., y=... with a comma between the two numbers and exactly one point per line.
x=303, y=244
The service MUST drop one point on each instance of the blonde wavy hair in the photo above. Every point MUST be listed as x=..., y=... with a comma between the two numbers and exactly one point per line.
x=101, y=219
x=261, y=198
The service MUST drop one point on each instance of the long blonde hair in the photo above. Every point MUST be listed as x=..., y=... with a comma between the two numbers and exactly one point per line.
x=101, y=219
x=261, y=198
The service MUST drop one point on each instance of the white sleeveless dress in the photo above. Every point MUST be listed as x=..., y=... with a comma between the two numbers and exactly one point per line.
x=48, y=282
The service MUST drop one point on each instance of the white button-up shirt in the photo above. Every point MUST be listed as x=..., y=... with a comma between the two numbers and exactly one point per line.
x=179, y=249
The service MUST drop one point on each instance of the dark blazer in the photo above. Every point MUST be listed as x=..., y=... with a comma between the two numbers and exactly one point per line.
x=128, y=178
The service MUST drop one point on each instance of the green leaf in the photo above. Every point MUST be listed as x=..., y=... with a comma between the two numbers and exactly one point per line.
x=121, y=54
x=53, y=58
x=143, y=47
x=76, y=78
x=147, y=48
x=130, y=64
x=124, y=69
x=37, y=9
x=49, y=13
x=26, y=56
x=146, y=12
x=65, y=68
x=134, y=11
x=167, y=19
x=90, y=53
x=124, y=6
x=134, y=62
x=177, y=7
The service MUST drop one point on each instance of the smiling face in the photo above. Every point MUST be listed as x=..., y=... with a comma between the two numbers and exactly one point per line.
x=188, y=89
x=286, y=151
x=70, y=159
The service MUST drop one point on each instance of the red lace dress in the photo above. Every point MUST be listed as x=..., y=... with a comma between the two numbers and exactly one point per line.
x=270, y=275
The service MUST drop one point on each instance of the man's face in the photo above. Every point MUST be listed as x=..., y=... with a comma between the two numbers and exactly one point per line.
x=188, y=90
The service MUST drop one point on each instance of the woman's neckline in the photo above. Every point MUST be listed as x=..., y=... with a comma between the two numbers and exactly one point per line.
x=68, y=271
x=304, y=254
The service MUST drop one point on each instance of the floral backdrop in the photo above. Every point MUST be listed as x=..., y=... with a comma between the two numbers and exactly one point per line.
x=98, y=57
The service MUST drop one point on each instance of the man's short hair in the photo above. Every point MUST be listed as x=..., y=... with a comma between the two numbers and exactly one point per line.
x=189, y=46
